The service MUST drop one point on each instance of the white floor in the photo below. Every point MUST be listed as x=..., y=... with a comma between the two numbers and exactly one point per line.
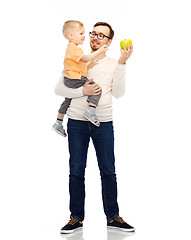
x=110, y=235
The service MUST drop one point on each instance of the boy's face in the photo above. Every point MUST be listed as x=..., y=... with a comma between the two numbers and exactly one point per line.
x=95, y=42
x=78, y=35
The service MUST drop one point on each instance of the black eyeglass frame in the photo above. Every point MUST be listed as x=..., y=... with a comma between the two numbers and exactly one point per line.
x=97, y=35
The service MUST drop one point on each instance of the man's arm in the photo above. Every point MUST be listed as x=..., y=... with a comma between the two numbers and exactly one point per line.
x=87, y=90
x=64, y=91
x=119, y=80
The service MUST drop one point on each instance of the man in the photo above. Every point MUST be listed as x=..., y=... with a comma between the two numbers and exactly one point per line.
x=109, y=77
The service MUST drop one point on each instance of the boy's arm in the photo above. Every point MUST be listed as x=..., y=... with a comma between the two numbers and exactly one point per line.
x=90, y=57
x=92, y=64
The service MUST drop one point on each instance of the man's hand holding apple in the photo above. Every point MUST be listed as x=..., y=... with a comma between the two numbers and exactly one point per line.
x=125, y=54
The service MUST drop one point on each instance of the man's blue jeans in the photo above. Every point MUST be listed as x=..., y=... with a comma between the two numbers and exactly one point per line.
x=79, y=134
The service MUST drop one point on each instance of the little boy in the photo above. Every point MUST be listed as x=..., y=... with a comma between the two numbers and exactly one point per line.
x=75, y=69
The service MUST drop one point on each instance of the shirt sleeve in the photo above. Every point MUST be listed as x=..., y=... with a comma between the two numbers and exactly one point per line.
x=119, y=81
x=74, y=52
x=64, y=91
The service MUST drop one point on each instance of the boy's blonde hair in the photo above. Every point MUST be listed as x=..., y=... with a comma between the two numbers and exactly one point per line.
x=71, y=24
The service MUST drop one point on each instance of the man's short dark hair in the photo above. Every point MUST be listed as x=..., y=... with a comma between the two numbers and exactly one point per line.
x=108, y=25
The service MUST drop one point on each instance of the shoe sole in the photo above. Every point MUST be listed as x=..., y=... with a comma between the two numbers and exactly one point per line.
x=123, y=229
x=59, y=132
x=70, y=231
x=89, y=119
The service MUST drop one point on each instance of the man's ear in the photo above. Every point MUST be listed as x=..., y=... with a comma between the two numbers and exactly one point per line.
x=109, y=42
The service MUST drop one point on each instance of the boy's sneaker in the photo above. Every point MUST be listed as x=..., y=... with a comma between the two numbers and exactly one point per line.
x=72, y=226
x=91, y=117
x=119, y=223
x=59, y=129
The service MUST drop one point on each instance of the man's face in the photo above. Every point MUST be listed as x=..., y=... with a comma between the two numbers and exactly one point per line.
x=96, y=43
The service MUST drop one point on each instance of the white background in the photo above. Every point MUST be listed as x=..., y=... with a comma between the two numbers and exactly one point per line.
x=152, y=120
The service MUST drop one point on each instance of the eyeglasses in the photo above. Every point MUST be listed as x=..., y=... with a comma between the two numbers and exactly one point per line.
x=100, y=36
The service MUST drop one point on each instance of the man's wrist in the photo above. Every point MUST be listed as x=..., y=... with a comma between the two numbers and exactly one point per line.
x=122, y=61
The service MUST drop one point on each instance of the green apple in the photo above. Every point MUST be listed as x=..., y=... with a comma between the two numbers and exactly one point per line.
x=125, y=42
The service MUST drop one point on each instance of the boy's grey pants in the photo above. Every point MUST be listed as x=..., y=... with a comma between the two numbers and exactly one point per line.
x=76, y=83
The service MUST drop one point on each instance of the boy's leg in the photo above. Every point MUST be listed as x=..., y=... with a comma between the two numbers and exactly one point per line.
x=64, y=106
x=90, y=112
x=90, y=115
x=71, y=83
x=60, y=116
x=93, y=100
x=74, y=83
x=58, y=127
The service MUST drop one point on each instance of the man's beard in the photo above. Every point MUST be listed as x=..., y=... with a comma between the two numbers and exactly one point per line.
x=94, y=47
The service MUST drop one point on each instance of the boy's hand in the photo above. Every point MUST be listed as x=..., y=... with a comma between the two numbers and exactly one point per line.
x=103, y=48
x=125, y=54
